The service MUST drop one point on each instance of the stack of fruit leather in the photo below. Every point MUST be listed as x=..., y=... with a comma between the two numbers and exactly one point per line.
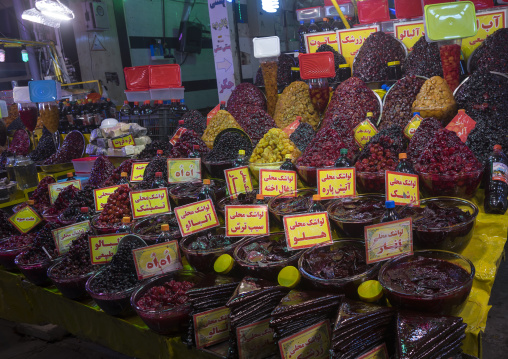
x=299, y=310
x=359, y=326
x=428, y=336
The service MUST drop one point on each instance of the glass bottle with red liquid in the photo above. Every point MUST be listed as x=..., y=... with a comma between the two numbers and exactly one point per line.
x=28, y=115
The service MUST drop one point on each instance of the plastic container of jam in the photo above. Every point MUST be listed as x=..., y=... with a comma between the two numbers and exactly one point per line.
x=394, y=70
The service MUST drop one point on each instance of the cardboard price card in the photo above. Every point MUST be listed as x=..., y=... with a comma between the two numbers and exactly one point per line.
x=409, y=32
x=138, y=170
x=212, y=113
x=211, y=327
x=307, y=230
x=157, y=259
x=379, y=352
x=121, y=142
x=149, y=202
x=336, y=182
x=402, y=188
x=184, y=170
x=350, y=40
x=255, y=341
x=275, y=182
x=64, y=236
x=25, y=219
x=387, y=240
x=238, y=180
x=101, y=196
x=196, y=217
x=487, y=22
x=56, y=188
x=312, y=342
x=103, y=247
x=364, y=132
x=314, y=40
x=412, y=126
x=244, y=221
x=462, y=125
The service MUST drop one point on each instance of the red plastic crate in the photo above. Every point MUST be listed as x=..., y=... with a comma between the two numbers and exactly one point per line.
x=371, y=11
x=318, y=65
x=408, y=9
x=136, y=77
x=163, y=76
x=339, y=2
x=482, y=4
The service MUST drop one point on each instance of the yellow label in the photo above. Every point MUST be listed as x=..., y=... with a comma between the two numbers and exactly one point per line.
x=101, y=196
x=138, y=170
x=149, y=202
x=336, y=182
x=409, y=32
x=64, y=236
x=196, y=217
x=307, y=230
x=275, y=182
x=244, y=221
x=157, y=259
x=103, y=247
x=238, y=180
x=121, y=142
x=379, y=352
x=314, y=40
x=350, y=41
x=312, y=342
x=255, y=341
x=211, y=327
x=487, y=22
x=184, y=170
x=56, y=188
x=25, y=219
x=412, y=126
x=388, y=240
x=402, y=188
x=364, y=132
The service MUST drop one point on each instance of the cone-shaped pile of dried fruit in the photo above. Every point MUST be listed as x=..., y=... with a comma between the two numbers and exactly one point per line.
x=423, y=134
x=63, y=201
x=424, y=60
x=20, y=144
x=185, y=145
x=76, y=261
x=435, y=100
x=150, y=150
x=118, y=206
x=42, y=244
x=295, y=101
x=125, y=166
x=302, y=136
x=158, y=164
x=486, y=135
x=254, y=121
x=83, y=198
x=45, y=147
x=273, y=147
x=71, y=148
x=218, y=123
x=195, y=121
x=246, y=95
x=492, y=54
x=6, y=227
x=102, y=169
x=41, y=194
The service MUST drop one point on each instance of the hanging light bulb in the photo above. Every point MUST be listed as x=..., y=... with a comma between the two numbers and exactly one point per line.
x=270, y=5
x=36, y=16
x=24, y=53
x=54, y=9
x=2, y=53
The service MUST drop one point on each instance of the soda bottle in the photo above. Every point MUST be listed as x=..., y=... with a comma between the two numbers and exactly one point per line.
x=206, y=192
x=343, y=161
x=302, y=30
x=136, y=110
x=147, y=108
x=496, y=189
x=404, y=165
x=260, y=199
x=165, y=236
x=223, y=105
x=70, y=176
x=288, y=164
x=126, y=225
x=195, y=153
x=159, y=182
x=337, y=24
x=312, y=27
x=316, y=205
x=84, y=216
x=390, y=214
x=110, y=109
x=123, y=178
x=241, y=160
x=183, y=106
x=159, y=153
x=126, y=109
x=325, y=26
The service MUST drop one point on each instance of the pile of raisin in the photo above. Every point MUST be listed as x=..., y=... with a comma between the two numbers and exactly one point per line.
x=71, y=148
x=43, y=241
x=246, y=94
x=302, y=136
x=227, y=146
x=254, y=121
x=158, y=164
x=492, y=54
x=486, y=135
x=77, y=260
x=117, y=207
x=150, y=150
x=338, y=60
x=41, y=195
x=423, y=134
x=424, y=60
x=195, y=121
x=114, y=179
x=185, y=145
x=45, y=147
x=64, y=200
x=102, y=169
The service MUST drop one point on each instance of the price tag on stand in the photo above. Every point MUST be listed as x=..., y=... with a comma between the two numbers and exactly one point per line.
x=211, y=327
x=238, y=180
x=336, y=182
x=157, y=259
x=149, y=202
x=121, y=142
x=25, y=219
x=212, y=113
x=246, y=221
x=364, y=132
x=314, y=40
x=307, y=230
x=101, y=196
x=103, y=247
x=487, y=22
x=256, y=340
x=379, y=352
x=402, y=188
x=409, y=32
x=196, y=217
x=64, y=236
x=462, y=125
x=314, y=339
x=350, y=40
x=56, y=188
x=387, y=240
x=275, y=182
x=138, y=170
x=412, y=126
x=184, y=170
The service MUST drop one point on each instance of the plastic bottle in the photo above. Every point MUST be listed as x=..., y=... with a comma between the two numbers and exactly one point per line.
x=289, y=277
x=159, y=181
x=84, y=216
x=147, y=108
x=206, y=192
x=404, y=165
x=70, y=176
x=136, y=110
x=126, y=109
x=325, y=25
x=165, y=236
x=224, y=264
x=110, y=109
x=124, y=179
x=343, y=161
x=288, y=164
x=223, y=105
x=126, y=225
x=260, y=199
x=183, y=106
x=241, y=160
x=316, y=205
x=496, y=188
x=302, y=30
x=159, y=153
x=390, y=214
x=371, y=291
x=337, y=24
x=195, y=153
x=312, y=27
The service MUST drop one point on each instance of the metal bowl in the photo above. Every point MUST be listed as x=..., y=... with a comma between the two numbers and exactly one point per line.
x=59, y=167
x=467, y=78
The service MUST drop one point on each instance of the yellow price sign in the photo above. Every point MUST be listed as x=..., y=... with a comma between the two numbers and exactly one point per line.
x=25, y=219
x=487, y=22
x=350, y=41
x=312, y=342
x=275, y=182
x=364, y=132
x=336, y=182
x=211, y=327
x=314, y=40
x=56, y=188
x=138, y=170
x=196, y=217
x=64, y=236
x=256, y=340
x=104, y=247
x=101, y=196
x=184, y=170
x=157, y=259
x=121, y=142
x=238, y=180
x=388, y=240
x=379, y=352
x=149, y=202
x=244, y=221
x=307, y=230
x=409, y=32
x=402, y=188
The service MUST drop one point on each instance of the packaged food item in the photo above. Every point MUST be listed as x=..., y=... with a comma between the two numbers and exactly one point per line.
x=273, y=147
x=424, y=60
x=295, y=101
x=435, y=100
x=221, y=121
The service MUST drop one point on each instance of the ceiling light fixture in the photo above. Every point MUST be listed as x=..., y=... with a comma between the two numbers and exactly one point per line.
x=36, y=16
x=54, y=9
x=270, y=5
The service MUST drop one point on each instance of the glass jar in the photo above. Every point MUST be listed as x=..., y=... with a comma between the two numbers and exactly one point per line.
x=28, y=115
x=50, y=116
x=25, y=172
x=9, y=166
x=344, y=72
x=269, y=68
x=394, y=70
x=319, y=94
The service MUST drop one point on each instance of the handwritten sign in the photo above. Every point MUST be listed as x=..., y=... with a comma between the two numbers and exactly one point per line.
x=238, y=180
x=157, y=259
x=487, y=22
x=212, y=113
x=184, y=170
x=255, y=341
x=56, y=188
x=121, y=142
x=388, y=240
x=412, y=126
x=314, y=40
x=307, y=230
x=364, y=132
x=211, y=327
x=64, y=236
x=292, y=126
x=350, y=40
x=196, y=217
x=177, y=135
x=379, y=352
x=336, y=182
x=409, y=32
x=25, y=219
x=462, y=125
x=402, y=188
x=101, y=196
x=244, y=221
x=138, y=170
x=149, y=202
x=312, y=342
x=275, y=182
x=103, y=247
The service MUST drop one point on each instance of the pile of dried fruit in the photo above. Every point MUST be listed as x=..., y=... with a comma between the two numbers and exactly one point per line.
x=102, y=169
x=151, y=149
x=158, y=164
x=71, y=148
x=17, y=241
x=486, y=135
x=165, y=296
x=6, y=227
x=195, y=121
x=41, y=195
x=286, y=62
x=424, y=60
x=254, y=121
x=269, y=70
x=83, y=198
x=273, y=147
x=42, y=243
x=435, y=100
x=118, y=206
x=450, y=61
x=76, y=261
x=338, y=60
x=302, y=136
x=218, y=123
x=246, y=95
x=492, y=54
x=295, y=101
x=185, y=145
x=20, y=143
x=424, y=133
x=64, y=200
x=125, y=166
x=227, y=147
x=45, y=147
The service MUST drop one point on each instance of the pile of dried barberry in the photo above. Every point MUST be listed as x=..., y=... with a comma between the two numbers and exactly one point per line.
x=64, y=200
x=42, y=243
x=227, y=146
x=424, y=60
x=302, y=136
x=41, y=194
x=246, y=94
x=423, y=134
x=71, y=148
x=254, y=121
x=102, y=169
x=45, y=147
x=114, y=179
x=77, y=260
x=195, y=121
x=338, y=60
x=492, y=54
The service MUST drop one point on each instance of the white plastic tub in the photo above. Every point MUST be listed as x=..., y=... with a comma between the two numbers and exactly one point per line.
x=137, y=95
x=84, y=165
x=169, y=93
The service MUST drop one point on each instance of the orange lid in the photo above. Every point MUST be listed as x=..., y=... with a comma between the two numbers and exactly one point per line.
x=31, y=202
x=70, y=174
x=316, y=197
x=206, y=181
x=260, y=196
x=123, y=174
x=165, y=227
x=402, y=156
x=126, y=220
x=497, y=147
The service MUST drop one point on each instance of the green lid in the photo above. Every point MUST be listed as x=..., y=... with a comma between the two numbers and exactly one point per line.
x=370, y=291
x=448, y=21
x=186, y=265
x=289, y=277
x=343, y=151
x=224, y=264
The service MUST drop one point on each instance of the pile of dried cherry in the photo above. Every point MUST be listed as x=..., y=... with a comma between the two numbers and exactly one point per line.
x=424, y=60
x=117, y=207
x=422, y=136
x=77, y=260
x=167, y=295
